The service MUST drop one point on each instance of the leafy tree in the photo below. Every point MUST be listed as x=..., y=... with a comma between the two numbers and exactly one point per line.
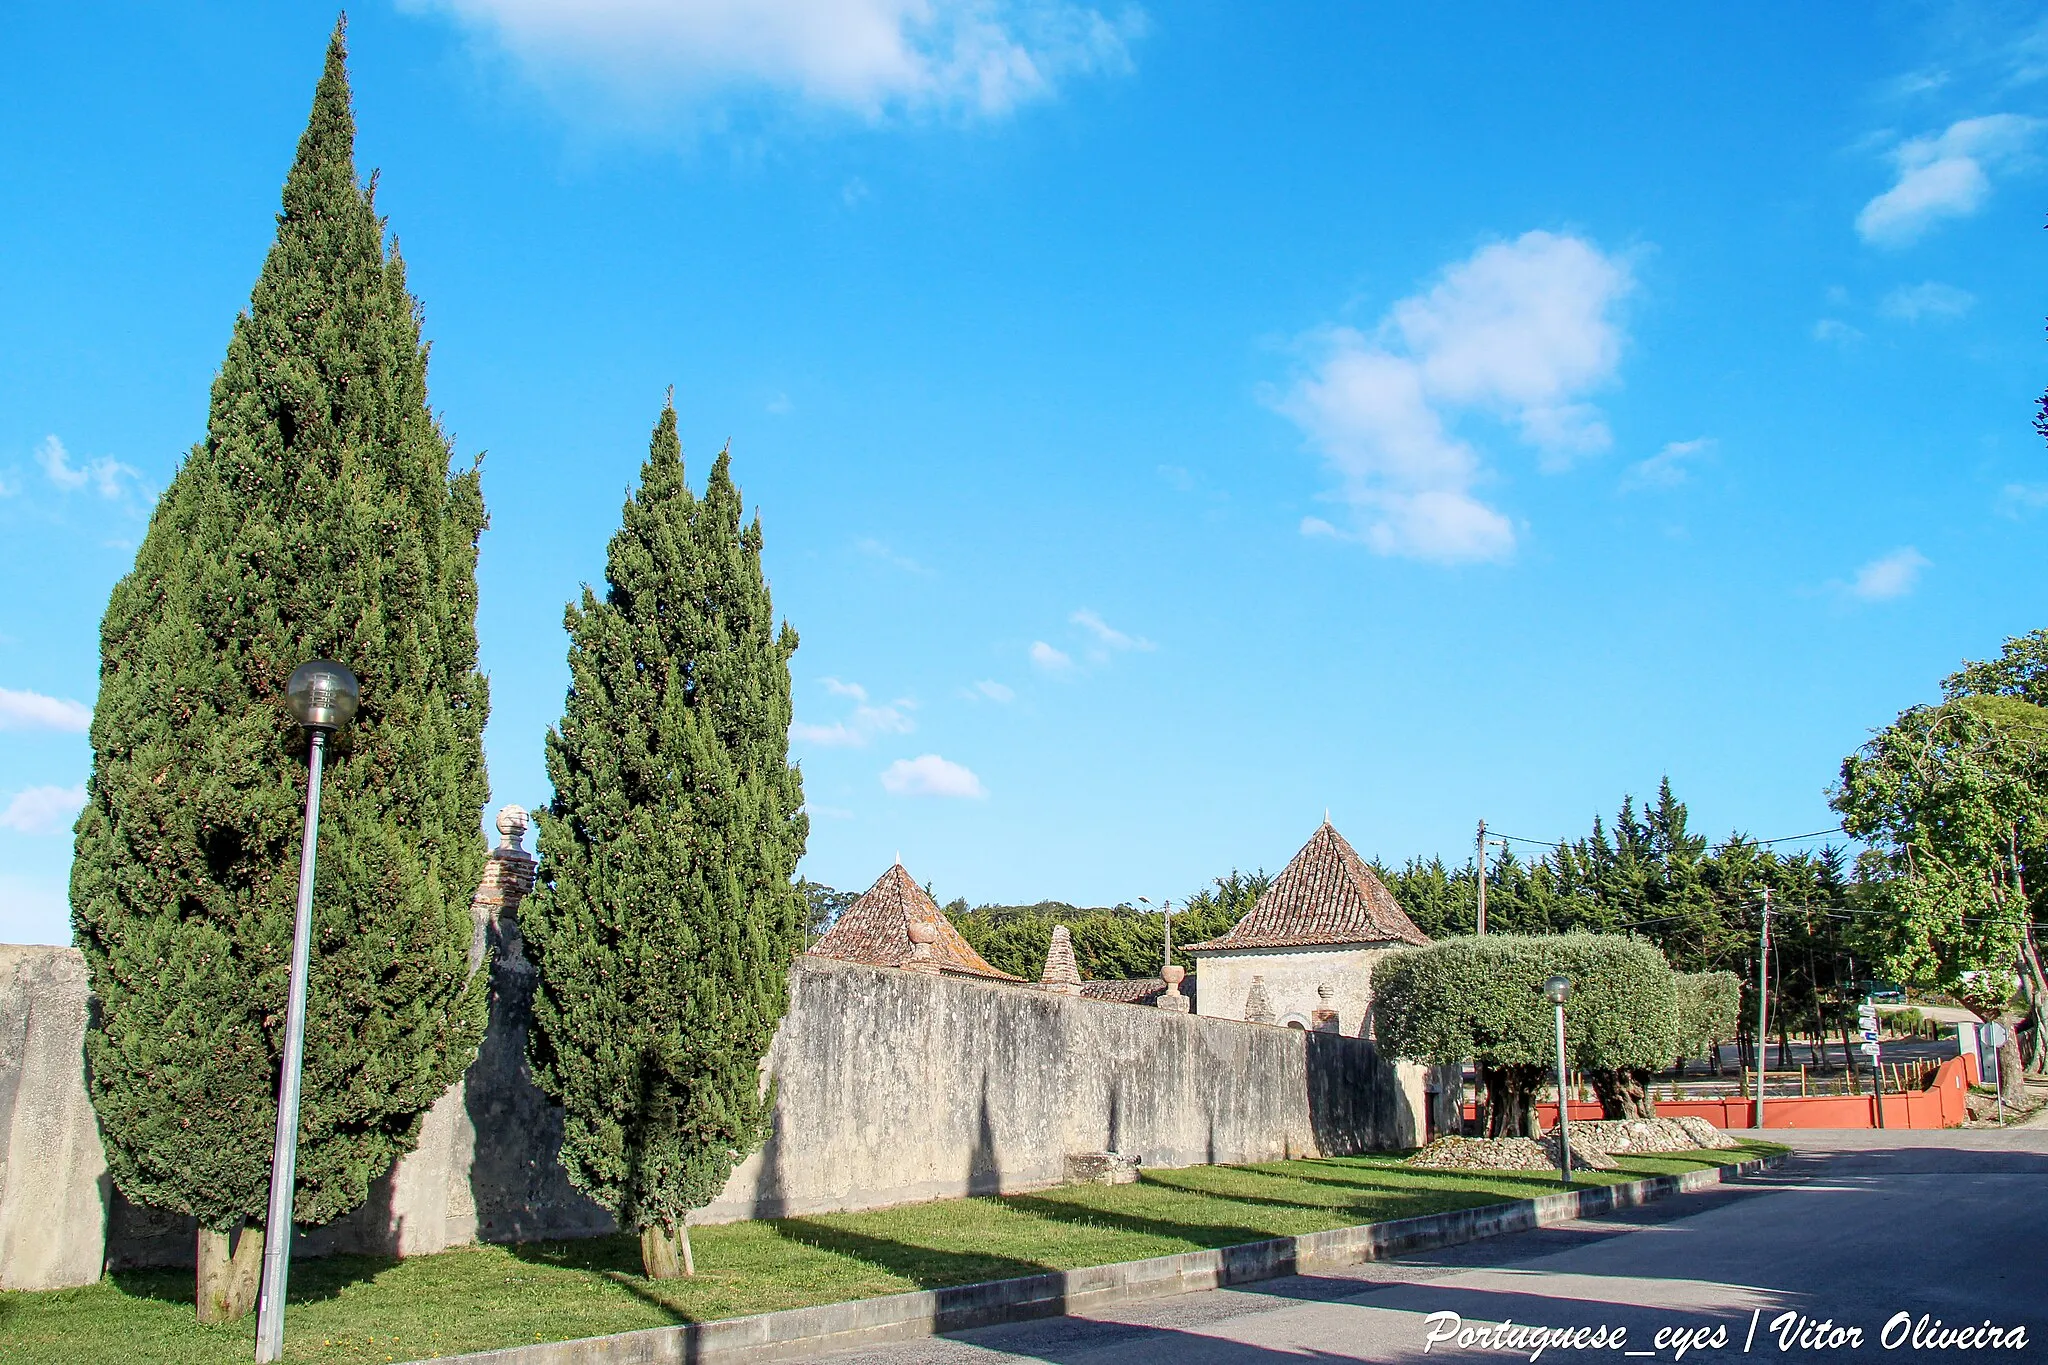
x=1480, y=998
x=318, y=517
x=667, y=911
x=822, y=906
x=1708, y=1005
x=1954, y=799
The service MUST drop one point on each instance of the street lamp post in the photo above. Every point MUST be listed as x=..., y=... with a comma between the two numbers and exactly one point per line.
x=323, y=695
x=1557, y=990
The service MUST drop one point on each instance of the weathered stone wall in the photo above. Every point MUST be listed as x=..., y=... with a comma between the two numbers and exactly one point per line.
x=892, y=1086
x=53, y=1170
x=895, y=1085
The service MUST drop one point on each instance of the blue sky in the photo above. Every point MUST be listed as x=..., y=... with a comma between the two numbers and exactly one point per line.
x=1168, y=423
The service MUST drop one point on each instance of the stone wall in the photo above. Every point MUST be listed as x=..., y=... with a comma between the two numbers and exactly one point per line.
x=53, y=1170
x=891, y=1086
x=895, y=1085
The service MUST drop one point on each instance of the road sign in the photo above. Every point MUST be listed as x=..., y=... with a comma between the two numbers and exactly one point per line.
x=1867, y=1014
x=1994, y=1034
x=1868, y=1049
x=1870, y=1035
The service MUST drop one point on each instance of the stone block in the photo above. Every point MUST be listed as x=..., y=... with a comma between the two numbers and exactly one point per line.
x=1102, y=1168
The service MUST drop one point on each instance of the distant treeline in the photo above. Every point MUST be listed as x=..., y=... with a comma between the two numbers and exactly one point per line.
x=1644, y=873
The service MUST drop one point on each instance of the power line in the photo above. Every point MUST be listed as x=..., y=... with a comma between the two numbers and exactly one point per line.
x=1759, y=843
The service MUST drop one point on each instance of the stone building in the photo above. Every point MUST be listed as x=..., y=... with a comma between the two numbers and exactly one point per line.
x=895, y=924
x=1303, y=955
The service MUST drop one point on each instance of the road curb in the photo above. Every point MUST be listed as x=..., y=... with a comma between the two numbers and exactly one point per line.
x=798, y=1333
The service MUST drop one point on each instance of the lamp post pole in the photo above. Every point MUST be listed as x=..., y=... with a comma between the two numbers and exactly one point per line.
x=1557, y=990
x=323, y=695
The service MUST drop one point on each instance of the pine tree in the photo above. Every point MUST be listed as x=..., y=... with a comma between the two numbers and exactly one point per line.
x=318, y=517
x=667, y=912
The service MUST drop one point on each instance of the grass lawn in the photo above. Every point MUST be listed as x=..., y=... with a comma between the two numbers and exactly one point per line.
x=350, y=1309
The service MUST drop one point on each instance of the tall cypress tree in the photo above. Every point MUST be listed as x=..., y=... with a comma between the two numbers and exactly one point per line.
x=318, y=517
x=667, y=914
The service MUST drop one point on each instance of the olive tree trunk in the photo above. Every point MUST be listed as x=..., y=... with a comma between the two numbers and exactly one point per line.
x=1511, y=1100
x=1623, y=1094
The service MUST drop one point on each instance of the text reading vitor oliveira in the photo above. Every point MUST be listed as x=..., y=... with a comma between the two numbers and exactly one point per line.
x=1920, y=1334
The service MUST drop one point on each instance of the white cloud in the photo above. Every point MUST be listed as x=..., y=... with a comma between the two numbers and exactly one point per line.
x=1837, y=331
x=34, y=711
x=1520, y=330
x=867, y=720
x=930, y=775
x=1670, y=466
x=868, y=56
x=108, y=477
x=1107, y=634
x=1889, y=576
x=1930, y=300
x=875, y=549
x=1050, y=659
x=1944, y=175
x=43, y=810
x=994, y=691
x=2018, y=499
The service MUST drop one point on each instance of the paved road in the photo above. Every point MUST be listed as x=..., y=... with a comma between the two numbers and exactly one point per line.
x=1857, y=1227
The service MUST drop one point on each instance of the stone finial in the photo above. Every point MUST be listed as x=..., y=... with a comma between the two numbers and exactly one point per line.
x=512, y=824
x=1324, y=1019
x=1258, y=1006
x=1171, y=998
x=1061, y=975
x=922, y=937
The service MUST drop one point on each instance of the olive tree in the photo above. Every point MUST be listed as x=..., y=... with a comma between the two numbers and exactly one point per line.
x=1709, y=1004
x=1481, y=998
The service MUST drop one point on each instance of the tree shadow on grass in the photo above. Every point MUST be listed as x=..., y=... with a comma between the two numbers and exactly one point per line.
x=1202, y=1235
x=614, y=1259
x=312, y=1279
x=1537, y=1182
x=925, y=1267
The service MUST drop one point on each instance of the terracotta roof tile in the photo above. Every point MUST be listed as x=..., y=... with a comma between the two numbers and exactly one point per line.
x=1326, y=895
x=1141, y=991
x=876, y=930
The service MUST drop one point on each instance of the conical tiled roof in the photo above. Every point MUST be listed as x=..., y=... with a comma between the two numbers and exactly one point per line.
x=876, y=930
x=1327, y=895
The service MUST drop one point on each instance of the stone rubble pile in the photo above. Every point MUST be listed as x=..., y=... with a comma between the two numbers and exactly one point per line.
x=1637, y=1137
x=1595, y=1144
x=1495, y=1154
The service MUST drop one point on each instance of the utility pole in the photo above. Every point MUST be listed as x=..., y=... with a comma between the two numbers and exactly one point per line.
x=1763, y=1004
x=1482, y=877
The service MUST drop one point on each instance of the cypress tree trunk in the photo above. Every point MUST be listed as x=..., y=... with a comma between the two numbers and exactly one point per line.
x=318, y=517
x=666, y=912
